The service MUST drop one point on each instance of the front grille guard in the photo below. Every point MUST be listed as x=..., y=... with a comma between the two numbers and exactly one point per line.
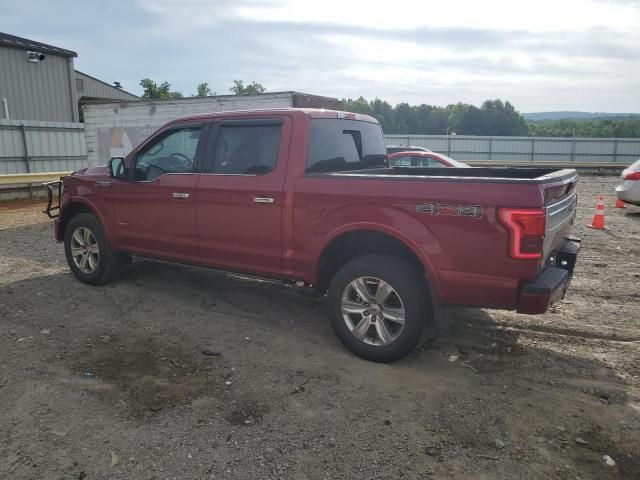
x=54, y=194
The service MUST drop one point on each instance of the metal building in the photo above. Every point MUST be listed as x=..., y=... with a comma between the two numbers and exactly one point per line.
x=38, y=82
x=90, y=89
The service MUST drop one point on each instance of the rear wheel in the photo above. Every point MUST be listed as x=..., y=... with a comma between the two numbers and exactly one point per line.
x=378, y=307
x=88, y=252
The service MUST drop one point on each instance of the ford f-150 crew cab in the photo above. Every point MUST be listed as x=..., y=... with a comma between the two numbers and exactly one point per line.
x=307, y=196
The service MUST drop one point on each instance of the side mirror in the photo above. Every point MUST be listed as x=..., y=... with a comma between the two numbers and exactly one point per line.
x=116, y=167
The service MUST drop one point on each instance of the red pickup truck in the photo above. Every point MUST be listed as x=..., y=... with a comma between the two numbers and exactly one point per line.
x=307, y=196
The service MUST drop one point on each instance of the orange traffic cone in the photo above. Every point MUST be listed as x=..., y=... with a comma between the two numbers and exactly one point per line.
x=619, y=204
x=598, y=217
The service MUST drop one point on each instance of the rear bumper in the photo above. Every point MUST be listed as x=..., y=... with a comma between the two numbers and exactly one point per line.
x=629, y=192
x=551, y=284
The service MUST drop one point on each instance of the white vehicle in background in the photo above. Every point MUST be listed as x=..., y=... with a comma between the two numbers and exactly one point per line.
x=629, y=190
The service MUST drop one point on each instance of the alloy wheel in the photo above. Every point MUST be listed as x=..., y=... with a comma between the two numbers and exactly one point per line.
x=373, y=311
x=85, y=250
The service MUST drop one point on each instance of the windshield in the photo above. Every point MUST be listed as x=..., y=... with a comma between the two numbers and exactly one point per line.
x=338, y=144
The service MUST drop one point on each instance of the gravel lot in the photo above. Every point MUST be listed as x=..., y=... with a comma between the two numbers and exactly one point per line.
x=112, y=382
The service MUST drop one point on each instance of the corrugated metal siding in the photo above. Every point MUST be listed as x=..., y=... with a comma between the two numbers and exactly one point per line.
x=36, y=91
x=52, y=147
x=629, y=147
x=526, y=149
x=96, y=89
x=115, y=128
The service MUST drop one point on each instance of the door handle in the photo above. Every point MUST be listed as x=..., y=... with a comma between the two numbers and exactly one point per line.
x=268, y=200
x=180, y=195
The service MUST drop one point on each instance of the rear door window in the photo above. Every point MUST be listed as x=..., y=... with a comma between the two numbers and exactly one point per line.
x=247, y=149
x=339, y=144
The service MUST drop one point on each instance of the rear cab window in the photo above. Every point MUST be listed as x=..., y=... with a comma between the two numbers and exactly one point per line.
x=339, y=144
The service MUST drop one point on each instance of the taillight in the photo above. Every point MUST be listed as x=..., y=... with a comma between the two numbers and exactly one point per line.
x=632, y=176
x=526, y=230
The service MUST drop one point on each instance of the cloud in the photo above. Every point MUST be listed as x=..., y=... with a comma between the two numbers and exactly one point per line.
x=540, y=16
x=546, y=55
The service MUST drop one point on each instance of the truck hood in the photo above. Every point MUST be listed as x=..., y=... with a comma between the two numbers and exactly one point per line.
x=94, y=171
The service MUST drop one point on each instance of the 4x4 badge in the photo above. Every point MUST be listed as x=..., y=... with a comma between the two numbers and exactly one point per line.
x=435, y=208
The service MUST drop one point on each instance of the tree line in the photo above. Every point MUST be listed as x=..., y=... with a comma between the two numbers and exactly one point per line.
x=493, y=117
x=606, y=128
x=162, y=91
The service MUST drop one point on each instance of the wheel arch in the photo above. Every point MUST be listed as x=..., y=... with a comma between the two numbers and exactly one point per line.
x=354, y=241
x=77, y=206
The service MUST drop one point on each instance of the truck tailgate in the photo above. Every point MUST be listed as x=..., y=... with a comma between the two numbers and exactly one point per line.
x=560, y=203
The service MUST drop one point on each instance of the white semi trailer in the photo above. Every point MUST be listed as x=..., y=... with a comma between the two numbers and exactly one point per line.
x=114, y=128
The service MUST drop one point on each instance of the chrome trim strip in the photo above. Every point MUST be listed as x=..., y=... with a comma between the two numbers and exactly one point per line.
x=565, y=208
x=559, y=206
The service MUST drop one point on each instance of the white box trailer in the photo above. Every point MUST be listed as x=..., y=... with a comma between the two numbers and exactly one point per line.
x=115, y=128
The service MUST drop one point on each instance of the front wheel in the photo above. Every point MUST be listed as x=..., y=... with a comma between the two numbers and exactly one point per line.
x=88, y=252
x=378, y=306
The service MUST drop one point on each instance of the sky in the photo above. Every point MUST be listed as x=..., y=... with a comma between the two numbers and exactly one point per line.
x=542, y=56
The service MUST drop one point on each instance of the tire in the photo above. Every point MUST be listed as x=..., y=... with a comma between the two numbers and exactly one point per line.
x=84, y=238
x=382, y=339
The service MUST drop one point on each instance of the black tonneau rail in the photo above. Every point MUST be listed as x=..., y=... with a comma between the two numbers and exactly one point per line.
x=472, y=174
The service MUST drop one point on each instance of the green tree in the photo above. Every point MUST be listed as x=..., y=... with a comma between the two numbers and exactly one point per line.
x=239, y=88
x=385, y=114
x=501, y=118
x=153, y=91
x=495, y=117
x=359, y=105
x=203, y=90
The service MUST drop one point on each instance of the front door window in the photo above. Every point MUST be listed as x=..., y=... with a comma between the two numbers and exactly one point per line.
x=173, y=152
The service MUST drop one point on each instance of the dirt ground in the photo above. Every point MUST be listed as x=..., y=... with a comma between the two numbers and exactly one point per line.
x=112, y=382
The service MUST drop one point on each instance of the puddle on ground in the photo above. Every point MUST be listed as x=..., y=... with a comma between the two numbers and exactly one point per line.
x=146, y=376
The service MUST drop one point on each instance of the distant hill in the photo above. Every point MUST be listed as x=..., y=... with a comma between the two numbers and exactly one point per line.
x=553, y=116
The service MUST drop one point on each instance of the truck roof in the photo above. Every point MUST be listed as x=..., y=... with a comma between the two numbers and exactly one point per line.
x=310, y=112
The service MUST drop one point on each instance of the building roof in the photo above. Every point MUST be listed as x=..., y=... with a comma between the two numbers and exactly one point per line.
x=26, y=44
x=122, y=91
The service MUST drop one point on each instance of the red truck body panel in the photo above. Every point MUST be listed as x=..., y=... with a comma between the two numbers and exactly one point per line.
x=217, y=223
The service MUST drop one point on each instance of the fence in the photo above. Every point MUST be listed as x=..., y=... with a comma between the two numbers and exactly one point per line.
x=526, y=149
x=37, y=147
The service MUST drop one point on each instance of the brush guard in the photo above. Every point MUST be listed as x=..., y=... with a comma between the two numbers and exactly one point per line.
x=54, y=194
